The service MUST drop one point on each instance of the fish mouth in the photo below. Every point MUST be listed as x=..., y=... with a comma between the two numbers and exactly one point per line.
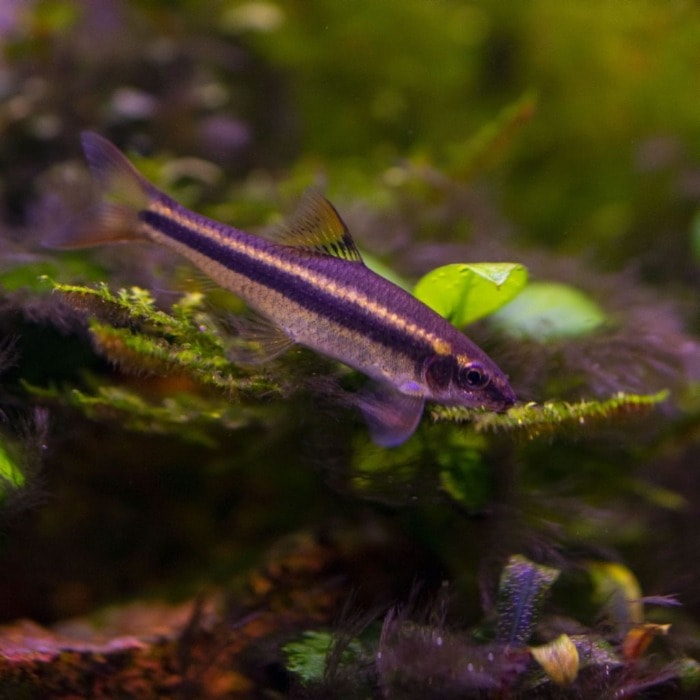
x=501, y=398
x=507, y=404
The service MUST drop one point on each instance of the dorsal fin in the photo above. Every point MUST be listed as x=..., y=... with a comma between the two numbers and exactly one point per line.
x=317, y=226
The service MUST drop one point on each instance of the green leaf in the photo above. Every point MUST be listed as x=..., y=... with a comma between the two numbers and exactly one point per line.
x=11, y=477
x=464, y=292
x=591, y=651
x=617, y=588
x=522, y=590
x=307, y=657
x=546, y=311
x=559, y=659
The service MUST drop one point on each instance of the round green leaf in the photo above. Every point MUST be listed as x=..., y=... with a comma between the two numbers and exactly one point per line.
x=547, y=311
x=464, y=292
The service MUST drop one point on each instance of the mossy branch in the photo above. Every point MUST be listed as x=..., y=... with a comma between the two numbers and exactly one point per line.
x=189, y=416
x=204, y=390
x=533, y=420
x=130, y=331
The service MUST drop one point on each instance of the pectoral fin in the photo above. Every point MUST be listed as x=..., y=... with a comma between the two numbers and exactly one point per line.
x=258, y=340
x=392, y=417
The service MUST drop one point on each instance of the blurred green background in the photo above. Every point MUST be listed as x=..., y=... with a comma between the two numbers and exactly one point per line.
x=561, y=135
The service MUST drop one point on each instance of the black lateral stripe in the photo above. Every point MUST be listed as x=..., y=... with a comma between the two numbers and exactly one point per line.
x=311, y=297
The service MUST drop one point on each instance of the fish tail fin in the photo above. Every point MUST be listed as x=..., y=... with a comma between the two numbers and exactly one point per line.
x=124, y=193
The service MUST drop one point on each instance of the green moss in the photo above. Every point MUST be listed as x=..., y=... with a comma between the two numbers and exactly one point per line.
x=307, y=657
x=553, y=417
x=131, y=332
x=433, y=146
x=182, y=414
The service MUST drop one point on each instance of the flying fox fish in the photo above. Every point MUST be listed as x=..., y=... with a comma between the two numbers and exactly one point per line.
x=311, y=287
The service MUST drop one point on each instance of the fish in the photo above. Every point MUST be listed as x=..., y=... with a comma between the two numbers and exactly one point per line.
x=308, y=285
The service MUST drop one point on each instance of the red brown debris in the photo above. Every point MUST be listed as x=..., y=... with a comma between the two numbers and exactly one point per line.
x=190, y=650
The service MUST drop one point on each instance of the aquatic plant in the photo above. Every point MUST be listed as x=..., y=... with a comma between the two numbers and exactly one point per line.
x=189, y=343
x=422, y=651
x=139, y=459
x=202, y=395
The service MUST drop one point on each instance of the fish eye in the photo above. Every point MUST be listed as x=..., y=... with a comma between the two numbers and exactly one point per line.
x=473, y=376
x=438, y=371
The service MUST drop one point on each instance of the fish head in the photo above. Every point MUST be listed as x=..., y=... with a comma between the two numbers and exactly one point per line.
x=467, y=379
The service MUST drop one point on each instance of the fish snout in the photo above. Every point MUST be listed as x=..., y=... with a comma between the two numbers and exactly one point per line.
x=501, y=395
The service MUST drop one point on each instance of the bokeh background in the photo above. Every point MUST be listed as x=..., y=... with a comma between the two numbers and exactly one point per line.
x=565, y=136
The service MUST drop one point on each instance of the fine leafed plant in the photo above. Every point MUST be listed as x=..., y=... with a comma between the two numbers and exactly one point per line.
x=520, y=649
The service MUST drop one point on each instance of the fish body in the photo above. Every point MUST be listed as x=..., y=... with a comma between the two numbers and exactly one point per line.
x=311, y=285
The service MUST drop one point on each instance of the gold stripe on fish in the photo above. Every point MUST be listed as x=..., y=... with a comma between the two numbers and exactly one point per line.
x=440, y=346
